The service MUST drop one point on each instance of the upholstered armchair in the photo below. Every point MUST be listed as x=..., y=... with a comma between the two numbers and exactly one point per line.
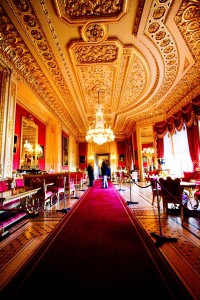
x=171, y=193
x=59, y=187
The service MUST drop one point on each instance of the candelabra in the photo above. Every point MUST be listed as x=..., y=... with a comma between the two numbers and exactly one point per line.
x=148, y=153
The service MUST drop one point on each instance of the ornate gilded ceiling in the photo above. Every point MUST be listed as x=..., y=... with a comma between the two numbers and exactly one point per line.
x=142, y=56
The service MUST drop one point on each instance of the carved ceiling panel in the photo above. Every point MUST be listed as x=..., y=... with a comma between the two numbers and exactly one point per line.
x=142, y=56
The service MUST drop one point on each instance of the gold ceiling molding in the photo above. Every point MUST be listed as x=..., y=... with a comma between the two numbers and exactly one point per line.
x=78, y=12
x=132, y=88
x=16, y=53
x=86, y=53
x=76, y=57
x=136, y=83
x=108, y=72
x=188, y=22
x=94, y=33
x=99, y=76
x=140, y=8
x=166, y=45
x=159, y=34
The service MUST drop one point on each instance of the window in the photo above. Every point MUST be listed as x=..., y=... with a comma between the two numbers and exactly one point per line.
x=177, y=153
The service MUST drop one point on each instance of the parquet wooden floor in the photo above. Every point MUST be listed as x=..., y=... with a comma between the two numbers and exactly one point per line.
x=183, y=255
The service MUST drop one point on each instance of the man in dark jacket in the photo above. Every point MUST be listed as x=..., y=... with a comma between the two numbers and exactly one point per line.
x=104, y=175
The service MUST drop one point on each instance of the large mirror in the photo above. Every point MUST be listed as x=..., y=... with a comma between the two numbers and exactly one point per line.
x=29, y=138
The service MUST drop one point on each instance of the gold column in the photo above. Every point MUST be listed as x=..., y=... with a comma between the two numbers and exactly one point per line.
x=53, y=159
x=139, y=148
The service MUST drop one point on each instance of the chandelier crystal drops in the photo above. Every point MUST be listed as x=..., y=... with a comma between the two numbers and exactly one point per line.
x=99, y=133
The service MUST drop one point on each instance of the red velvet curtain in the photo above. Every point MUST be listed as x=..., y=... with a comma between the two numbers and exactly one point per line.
x=160, y=147
x=193, y=142
x=188, y=115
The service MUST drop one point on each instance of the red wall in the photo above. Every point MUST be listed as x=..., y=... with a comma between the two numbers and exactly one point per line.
x=83, y=152
x=21, y=112
x=121, y=148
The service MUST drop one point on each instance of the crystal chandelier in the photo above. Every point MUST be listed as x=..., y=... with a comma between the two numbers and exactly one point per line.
x=98, y=133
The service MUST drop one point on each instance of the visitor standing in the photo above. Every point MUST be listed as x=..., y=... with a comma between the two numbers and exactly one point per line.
x=104, y=175
x=90, y=174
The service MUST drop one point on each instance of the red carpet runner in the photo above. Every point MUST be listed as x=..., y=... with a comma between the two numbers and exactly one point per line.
x=99, y=251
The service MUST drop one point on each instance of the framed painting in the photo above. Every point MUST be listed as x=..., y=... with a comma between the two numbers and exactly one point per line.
x=122, y=157
x=65, y=142
x=82, y=159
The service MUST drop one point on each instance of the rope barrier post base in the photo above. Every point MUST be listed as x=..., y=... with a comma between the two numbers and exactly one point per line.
x=82, y=189
x=75, y=196
x=161, y=238
x=120, y=189
x=76, y=188
x=65, y=210
x=114, y=181
x=131, y=202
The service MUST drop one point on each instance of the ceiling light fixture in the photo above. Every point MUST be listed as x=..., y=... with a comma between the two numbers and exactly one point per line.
x=99, y=133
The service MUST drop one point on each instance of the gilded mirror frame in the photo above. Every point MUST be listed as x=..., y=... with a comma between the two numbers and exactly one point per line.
x=29, y=136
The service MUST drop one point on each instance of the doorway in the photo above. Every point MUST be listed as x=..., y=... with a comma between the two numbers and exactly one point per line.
x=99, y=158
